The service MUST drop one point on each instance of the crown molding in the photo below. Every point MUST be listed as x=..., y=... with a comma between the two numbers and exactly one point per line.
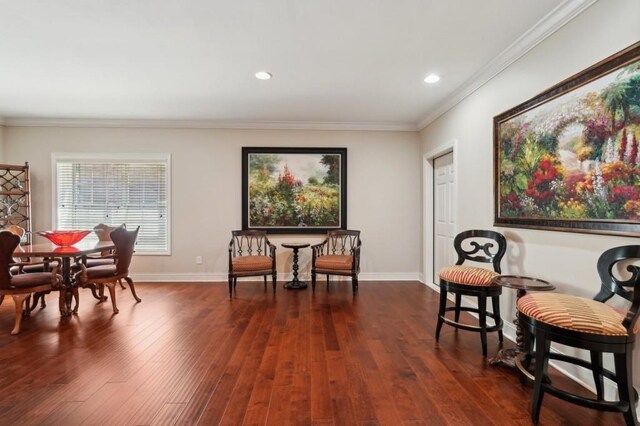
x=209, y=124
x=549, y=24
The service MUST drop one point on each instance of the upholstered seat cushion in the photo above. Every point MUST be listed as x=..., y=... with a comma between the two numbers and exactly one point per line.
x=93, y=262
x=251, y=263
x=33, y=279
x=573, y=313
x=467, y=275
x=103, y=271
x=335, y=261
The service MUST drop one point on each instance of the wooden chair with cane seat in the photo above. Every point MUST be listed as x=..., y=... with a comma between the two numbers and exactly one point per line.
x=250, y=255
x=109, y=275
x=482, y=246
x=591, y=325
x=338, y=254
x=21, y=286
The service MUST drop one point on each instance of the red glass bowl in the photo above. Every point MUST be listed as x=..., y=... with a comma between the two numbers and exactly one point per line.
x=64, y=238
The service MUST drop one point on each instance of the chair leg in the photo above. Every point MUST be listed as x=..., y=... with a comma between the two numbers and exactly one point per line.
x=313, y=281
x=122, y=286
x=1, y=298
x=327, y=281
x=482, y=316
x=543, y=346
x=265, y=282
x=133, y=289
x=18, y=299
x=101, y=296
x=495, y=301
x=230, y=286
x=441, y=308
x=527, y=349
x=354, y=283
x=27, y=306
x=112, y=293
x=596, y=368
x=76, y=296
x=623, y=363
x=274, y=278
x=458, y=305
x=235, y=282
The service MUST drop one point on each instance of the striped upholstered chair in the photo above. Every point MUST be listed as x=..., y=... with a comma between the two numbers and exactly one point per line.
x=463, y=280
x=251, y=255
x=591, y=325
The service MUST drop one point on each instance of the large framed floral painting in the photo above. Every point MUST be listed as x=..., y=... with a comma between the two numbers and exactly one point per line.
x=294, y=190
x=568, y=159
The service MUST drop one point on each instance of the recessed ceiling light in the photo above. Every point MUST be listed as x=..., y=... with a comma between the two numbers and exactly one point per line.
x=263, y=75
x=432, y=78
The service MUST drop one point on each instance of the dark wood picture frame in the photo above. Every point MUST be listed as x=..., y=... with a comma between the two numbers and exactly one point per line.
x=289, y=190
x=573, y=161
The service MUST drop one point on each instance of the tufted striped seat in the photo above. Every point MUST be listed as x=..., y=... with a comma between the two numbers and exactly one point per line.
x=467, y=275
x=573, y=313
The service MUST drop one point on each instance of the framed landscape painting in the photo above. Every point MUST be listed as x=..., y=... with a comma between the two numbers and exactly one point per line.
x=568, y=159
x=294, y=190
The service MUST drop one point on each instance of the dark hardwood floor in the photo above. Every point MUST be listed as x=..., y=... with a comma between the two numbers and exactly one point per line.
x=188, y=354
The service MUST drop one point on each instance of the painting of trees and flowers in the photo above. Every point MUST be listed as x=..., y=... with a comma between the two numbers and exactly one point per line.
x=569, y=158
x=294, y=190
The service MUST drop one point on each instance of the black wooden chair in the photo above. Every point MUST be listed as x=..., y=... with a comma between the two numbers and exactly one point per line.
x=462, y=280
x=250, y=255
x=591, y=325
x=338, y=254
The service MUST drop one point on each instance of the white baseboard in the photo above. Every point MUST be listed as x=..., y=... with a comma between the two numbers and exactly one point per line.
x=222, y=277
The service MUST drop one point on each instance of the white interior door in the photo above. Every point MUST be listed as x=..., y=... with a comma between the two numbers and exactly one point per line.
x=443, y=213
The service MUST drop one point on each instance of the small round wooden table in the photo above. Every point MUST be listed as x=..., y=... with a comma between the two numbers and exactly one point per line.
x=295, y=283
x=522, y=285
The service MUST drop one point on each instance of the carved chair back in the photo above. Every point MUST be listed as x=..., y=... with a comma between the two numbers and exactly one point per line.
x=480, y=250
x=125, y=242
x=249, y=243
x=609, y=264
x=8, y=243
x=342, y=241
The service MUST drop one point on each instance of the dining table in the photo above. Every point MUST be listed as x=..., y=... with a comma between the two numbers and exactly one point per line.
x=66, y=254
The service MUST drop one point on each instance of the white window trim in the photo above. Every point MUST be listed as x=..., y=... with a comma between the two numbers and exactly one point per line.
x=109, y=158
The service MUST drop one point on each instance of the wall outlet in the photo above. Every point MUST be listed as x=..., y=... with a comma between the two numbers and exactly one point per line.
x=198, y=260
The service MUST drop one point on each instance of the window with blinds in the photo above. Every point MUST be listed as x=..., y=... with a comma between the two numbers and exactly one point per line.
x=134, y=192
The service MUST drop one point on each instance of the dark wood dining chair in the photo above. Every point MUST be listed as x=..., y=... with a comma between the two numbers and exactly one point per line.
x=481, y=246
x=338, y=254
x=108, y=275
x=591, y=325
x=21, y=286
x=251, y=254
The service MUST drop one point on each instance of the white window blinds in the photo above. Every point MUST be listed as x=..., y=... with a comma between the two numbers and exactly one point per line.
x=113, y=192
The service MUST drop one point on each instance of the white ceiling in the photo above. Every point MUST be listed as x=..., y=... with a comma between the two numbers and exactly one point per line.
x=333, y=61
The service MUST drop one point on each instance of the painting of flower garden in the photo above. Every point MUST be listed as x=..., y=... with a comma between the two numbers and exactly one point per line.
x=574, y=157
x=295, y=188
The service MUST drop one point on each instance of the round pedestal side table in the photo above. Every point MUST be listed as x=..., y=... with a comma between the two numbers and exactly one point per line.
x=295, y=283
x=521, y=285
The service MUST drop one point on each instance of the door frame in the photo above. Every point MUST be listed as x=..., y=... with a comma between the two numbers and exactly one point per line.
x=428, y=205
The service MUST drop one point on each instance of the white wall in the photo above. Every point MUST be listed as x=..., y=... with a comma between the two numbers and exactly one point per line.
x=1, y=144
x=383, y=191
x=566, y=259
